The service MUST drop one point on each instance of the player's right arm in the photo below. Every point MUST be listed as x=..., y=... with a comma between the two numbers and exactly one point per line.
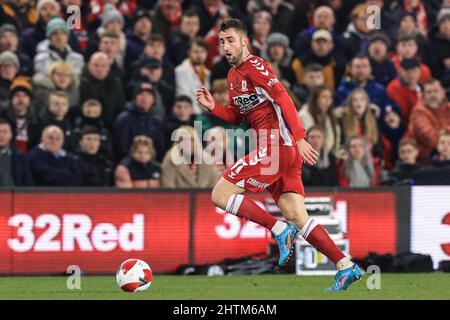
x=228, y=114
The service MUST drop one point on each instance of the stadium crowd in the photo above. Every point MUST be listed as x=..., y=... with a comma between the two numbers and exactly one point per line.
x=97, y=98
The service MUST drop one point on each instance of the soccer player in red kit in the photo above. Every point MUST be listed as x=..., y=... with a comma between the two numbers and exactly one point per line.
x=256, y=94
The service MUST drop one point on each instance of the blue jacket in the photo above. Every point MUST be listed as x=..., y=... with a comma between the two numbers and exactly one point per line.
x=133, y=122
x=49, y=170
x=20, y=168
x=375, y=90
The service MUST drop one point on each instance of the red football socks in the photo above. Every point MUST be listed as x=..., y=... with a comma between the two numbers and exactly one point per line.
x=246, y=208
x=317, y=236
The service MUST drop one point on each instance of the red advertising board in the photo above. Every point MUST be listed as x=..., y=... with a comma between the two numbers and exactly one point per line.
x=44, y=232
x=47, y=232
x=369, y=220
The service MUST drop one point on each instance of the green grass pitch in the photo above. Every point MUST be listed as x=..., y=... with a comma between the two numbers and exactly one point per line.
x=260, y=287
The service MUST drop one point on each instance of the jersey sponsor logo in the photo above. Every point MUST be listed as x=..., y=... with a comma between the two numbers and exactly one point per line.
x=260, y=67
x=257, y=183
x=246, y=102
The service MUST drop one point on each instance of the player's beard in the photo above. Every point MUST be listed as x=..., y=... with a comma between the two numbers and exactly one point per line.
x=233, y=60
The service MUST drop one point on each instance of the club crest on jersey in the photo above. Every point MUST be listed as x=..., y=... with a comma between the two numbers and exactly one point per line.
x=244, y=86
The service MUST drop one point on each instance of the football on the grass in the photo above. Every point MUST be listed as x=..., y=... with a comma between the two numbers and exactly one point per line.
x=134, y=275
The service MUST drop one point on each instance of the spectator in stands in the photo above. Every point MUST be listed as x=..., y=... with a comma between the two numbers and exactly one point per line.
x=186, y=165
x=96, y=168
x=261, y=27
x=438, y=172
x=279, y=55
x=138, y=119
x=51, y=165
x=407, y=48
x=392, y=128
x=60, y=77
x=30, y=37
x=219, y=150
x=9, y=41
x=9, y=69
x=57, y=113
x=56, y=48
x=322, y=18
x=21, y=14
x=322, y=53
x=150, y=70
x=139, y=169
x=440, y=45
x=429, y=117
x=91, y=112
x=356, y=37
x=109, y=44
x=313, y=77
x=166, y=16
x=383, y=68
x=137, y=35
x=192, y=73
x=324, y=172
x=182, y=115
x=357, y=170
x=155, y=47
x=361, y=77
x=179, y=41
x=97, y=83
x=408, y=27
x=14, y=166
x=405, y=171
x=20, y=114
x=283, y=16
x=112, y=22
x=319, y=111
x=405, y=90
x=421, y=12
x=359, y=117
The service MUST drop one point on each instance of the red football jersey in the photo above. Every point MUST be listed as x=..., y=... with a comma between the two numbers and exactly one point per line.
x=255, y=93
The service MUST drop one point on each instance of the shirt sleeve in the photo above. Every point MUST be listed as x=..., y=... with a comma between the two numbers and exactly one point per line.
x=229, y=114
x=264, y=78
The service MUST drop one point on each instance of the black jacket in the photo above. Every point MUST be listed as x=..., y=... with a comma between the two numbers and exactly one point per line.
x=96, y=170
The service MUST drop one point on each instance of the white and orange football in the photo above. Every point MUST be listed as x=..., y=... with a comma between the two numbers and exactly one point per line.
x=134, y=275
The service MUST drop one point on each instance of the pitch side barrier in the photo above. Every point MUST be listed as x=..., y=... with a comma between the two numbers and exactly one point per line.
x=45, y=230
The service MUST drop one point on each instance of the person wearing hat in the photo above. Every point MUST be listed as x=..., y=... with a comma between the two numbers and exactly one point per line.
x=405, y=89
x=138, y=119
x=9, y=69
x=383, y=70
x=439, y=57
x=56, y=47
x=20, y=114
x=98, y=83
x=30, y=37
x=150, y=70
x=279, y=55
x=137, y=35
x=21, y=14
x=9, y=41
x=321, y=52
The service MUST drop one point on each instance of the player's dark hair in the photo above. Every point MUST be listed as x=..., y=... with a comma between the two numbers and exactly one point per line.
x=313, y=67
x=235, y=24
x=199, y=41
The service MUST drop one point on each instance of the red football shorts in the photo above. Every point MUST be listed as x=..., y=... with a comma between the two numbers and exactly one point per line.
x=275, y=168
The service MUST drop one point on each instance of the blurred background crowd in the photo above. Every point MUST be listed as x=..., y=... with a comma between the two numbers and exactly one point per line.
x=95, y=96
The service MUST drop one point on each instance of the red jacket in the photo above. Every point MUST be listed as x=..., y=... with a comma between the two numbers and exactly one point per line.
x=405, y=97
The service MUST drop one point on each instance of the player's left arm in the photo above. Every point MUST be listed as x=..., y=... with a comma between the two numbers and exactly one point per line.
x=264, y=78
